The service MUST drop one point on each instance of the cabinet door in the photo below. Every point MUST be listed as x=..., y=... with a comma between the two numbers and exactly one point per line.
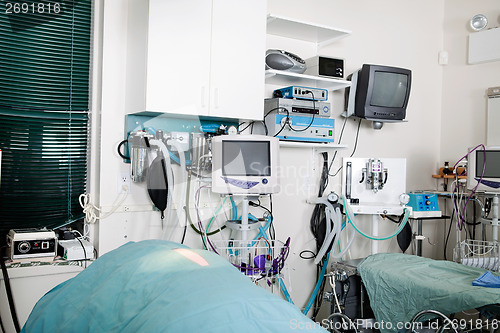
x=238, y=53
x=178, y=56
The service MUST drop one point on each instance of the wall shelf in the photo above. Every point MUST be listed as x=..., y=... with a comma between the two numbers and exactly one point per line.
x=282, y=78
x=310, y=32
x=449, y=176
x=294, y=144
x=320, y=35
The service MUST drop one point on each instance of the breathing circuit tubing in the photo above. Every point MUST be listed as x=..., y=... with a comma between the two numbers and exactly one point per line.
x=182, y=197
x=337, y=227
x=350, y=218
x=334, y=216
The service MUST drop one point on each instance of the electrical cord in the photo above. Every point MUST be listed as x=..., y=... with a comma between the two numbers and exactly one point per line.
x=90, y=210
x=1, y=325
x=249, y=124
x=448, y=235
x=188, y=215
x=253, y=204
x=8, y=290
x=119, y=150
x=318, y=218
x=461, y=217
x=271, y=225
x=84, y=251
x=185, y=224
x=354, y=149
x=318, y=215
x=312, y=119
x=336, y=151
x=356, y=141
x=288, y=119
x=303, y=252
x=331, y=280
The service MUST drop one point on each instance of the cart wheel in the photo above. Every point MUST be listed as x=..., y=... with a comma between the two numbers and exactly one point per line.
x=435, y=313
x=341, y=323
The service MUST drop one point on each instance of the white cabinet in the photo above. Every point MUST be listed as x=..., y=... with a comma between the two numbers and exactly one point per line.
x=29, y=283
x=206, y=57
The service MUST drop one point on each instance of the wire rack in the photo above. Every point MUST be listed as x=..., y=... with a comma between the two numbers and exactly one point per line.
x=476, y=253
x=262, y=260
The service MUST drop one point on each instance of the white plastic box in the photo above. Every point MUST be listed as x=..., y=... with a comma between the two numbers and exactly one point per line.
x=73, y=249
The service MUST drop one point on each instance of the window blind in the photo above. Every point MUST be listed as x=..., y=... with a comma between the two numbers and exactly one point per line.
x=44, y=111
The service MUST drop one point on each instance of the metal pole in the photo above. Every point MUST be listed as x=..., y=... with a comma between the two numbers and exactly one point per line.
x=494, y=219
x=374, y=233
x=419, y=239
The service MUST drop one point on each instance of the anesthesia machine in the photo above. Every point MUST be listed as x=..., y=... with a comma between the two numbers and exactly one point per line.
x=206, y=164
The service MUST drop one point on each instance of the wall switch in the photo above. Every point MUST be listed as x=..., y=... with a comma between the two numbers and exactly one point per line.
x=443, y=58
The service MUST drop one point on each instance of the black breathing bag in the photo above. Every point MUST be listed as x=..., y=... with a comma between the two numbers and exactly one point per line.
x=405, y=237
x=157, y=183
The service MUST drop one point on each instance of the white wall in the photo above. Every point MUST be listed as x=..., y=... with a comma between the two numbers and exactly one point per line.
x=124, y=50
x=400, y=33
x=383, y=32
x=464, y=86
x=464, y=106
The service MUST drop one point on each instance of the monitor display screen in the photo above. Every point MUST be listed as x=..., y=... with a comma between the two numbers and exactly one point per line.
x=389, y=89
x=492, y=167
x=246, y=158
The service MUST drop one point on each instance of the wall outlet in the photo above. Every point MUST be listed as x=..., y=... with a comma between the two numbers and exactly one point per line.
x=123, y=182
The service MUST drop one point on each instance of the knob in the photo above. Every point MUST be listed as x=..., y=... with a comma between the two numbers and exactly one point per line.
x=24, y=247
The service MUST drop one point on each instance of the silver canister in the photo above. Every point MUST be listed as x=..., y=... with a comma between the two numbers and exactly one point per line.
x=138, y=155
x=199, y=152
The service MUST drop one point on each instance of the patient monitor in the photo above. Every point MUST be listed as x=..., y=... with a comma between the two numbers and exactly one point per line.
x=245, y=164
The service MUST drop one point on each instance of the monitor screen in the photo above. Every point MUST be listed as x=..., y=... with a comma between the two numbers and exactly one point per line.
x=378, y=93
x=246, y=158
x=245, y=164
x=389, y=89
x=492, y=167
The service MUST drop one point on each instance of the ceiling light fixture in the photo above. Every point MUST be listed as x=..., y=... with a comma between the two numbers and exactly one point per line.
x=478, y=22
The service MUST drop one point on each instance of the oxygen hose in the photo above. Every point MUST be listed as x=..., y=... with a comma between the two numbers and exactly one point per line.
x=318, y=285
x=337, y=241
x=330, y=234
x=182, y=197
x=189, y=215
x=350, y=217
x=333, y=217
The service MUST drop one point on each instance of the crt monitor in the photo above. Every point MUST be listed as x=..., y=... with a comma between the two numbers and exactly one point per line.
x=245, y=164
x=487, y=159
x=378, y=93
